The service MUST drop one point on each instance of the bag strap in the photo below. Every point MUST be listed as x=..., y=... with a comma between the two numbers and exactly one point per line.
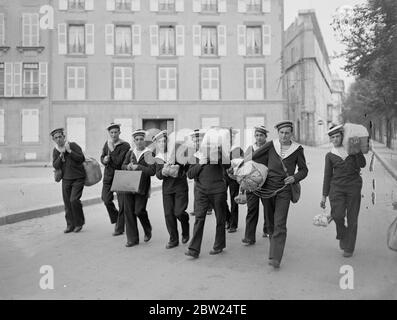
x=284, y=167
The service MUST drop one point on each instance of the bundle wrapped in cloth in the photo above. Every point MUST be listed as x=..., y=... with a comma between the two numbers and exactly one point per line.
x=250, y=175
x=216, y=144
x=322, y=220
x=355, y=138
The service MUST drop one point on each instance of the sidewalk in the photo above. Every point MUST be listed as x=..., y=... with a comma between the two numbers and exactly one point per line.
x=387, y=157
x=28, y=191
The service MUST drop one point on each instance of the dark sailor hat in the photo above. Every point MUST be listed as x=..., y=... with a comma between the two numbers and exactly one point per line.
x=58, y=130
x=139, y=132
x=160, y=135
x=335, y=129
x=113, y=126
x=197, y=133
x=261, y=129
x=283, y=124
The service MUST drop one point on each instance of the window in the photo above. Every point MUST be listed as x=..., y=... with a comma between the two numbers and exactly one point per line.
x=167, y=41
x=30, y=125
x=209, y=5
x=123, y=41
x=210, y=83
x=250, y=123
x=254, y=6
x=2, y=30
x=167, y=83
x=122, y=82
x=76, y=4
x=30, y=29
x=31, y=79
x=123, y=4
x=2, y=129
x=2, y=77
x=75, y=83
x=166, y=5
x=209, y=122
x=125, y=128
x=75, y=130
x=76, y=39
x=254, y=41
x=209, y=41
x=255, y=83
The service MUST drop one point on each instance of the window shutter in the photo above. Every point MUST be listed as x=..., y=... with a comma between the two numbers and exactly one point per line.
x=25, y=22
x=135, y=5
x=242, y=6
x=18, y=79
x=110, y=5
x=1, y=127
x=89, y=36
x=8, y=81
x=154, y=5
x=222, y=6
x=267, y=36
x=63, y=5
x=62, y=30
x=109, y=39
x=136, y=40
x=222, y=44
x=196, y=5
x=43, y=79
x=180, y=40
x=241, y=40
x=89, y=5
x=30, y=125
x=197, y=40
x=2, y=30
x=266, y=6
x=36, y=30
x=154, y=40
x=179, y=5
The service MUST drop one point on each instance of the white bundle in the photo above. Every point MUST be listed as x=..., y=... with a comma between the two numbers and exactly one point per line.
x=321, y=220
x=250, y=175
x=355, y=138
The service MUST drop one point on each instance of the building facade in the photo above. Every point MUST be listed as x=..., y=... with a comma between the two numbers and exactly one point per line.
x=308, y=80
x=24, y=69
x=338, y=97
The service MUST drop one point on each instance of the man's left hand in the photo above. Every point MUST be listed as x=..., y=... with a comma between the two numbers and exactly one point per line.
x=289, y=180
x=67, y=148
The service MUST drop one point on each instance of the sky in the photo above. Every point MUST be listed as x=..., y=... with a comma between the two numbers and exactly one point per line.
x=324, y=9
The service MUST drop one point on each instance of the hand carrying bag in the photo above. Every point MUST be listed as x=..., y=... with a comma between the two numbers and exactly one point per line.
x=58, y=175
x=295, y=187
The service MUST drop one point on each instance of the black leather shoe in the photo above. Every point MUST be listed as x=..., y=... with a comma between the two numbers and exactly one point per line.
x=131, y=244
x=148, y=236
x=192, y=254
x=215, y=251
x=209, y=212
x=78, y=229
x=232, y=230
x=227, y=225
x=248, y=242
x=117, y=233
x=68, y=230
x=185, y=239
x=274, y=263
x=347, y=254
x=171, y=245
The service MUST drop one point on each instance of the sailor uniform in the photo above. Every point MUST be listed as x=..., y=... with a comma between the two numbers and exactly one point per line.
x=210, y=188
x=175, y=199
x=251, y=220
x=135, y=203
x=116, y=153
x=73, y=176
x=277, y=206
x=234, y=187
x=343, y=184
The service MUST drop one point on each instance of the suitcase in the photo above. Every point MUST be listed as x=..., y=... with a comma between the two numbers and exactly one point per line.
x=355, y=138
x=127, y=181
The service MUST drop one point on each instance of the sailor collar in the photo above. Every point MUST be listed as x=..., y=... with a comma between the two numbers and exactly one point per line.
x=340, y=152
x=277, y=146
x=162, y=156
x=135, y=151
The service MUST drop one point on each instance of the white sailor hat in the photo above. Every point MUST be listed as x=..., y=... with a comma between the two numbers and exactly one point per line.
x=113, y=126
x=160, y=135
x=335, y=129
x=139, y=132
x=261, y=129
x=283, y=124
x=58, y=130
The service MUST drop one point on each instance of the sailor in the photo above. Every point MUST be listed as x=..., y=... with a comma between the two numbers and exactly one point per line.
x=139, y=158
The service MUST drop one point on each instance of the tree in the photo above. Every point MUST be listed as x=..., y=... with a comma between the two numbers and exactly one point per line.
x=370, y=36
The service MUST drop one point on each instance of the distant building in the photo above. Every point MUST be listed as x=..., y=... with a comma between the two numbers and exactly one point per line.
x=338, y=96
x=158, y=64
x=307, y=80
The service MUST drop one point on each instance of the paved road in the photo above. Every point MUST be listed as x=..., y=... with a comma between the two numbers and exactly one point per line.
x=95, y=265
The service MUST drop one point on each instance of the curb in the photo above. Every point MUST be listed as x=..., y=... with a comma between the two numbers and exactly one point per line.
x=388, y=168
x=49, y=210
